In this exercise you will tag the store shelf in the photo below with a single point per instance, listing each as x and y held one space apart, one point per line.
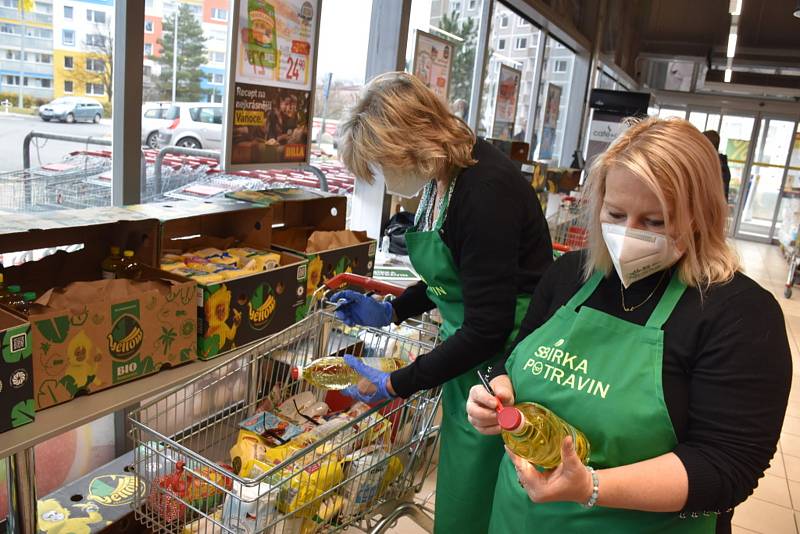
70 415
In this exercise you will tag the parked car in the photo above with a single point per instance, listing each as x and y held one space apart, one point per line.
71 109
153 119
193 125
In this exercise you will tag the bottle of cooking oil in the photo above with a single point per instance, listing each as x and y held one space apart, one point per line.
129 267
332 372
535 433
111 264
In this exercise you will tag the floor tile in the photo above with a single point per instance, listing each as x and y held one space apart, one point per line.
776 467
791 425
792 464
740 530
794 493
764 517
406 526
790 444
774 490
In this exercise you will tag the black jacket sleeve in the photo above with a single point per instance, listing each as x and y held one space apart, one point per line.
738 389
490 222
412 302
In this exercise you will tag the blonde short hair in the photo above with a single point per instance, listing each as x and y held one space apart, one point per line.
401 124
682 168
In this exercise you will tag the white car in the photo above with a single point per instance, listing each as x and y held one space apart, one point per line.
193 125
153 120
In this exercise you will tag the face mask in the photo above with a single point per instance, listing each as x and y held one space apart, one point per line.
404 186
637 254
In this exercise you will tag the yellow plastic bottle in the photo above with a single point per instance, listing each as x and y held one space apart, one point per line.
111 264
535 433
332 372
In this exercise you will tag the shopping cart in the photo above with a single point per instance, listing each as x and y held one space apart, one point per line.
567 227
363 475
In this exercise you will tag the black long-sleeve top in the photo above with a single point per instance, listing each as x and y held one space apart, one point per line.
500 244
727 370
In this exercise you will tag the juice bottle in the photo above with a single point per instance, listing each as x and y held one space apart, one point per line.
535 433
129 267
111 264
333 373
13 297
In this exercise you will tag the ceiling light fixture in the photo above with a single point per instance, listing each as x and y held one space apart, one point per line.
735 8
797 9
732 42
728 74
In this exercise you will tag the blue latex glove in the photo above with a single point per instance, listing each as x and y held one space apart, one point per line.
377 377
355 308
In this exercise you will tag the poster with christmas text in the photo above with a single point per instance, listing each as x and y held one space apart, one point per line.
270 98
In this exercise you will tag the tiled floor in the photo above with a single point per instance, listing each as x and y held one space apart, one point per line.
774 508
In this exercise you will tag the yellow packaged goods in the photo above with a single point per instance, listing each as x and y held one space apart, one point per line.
394 468
231 274
171 258
172 266
249 446
255 260
306 486
206 278
207 253
200 264
327 512
225 259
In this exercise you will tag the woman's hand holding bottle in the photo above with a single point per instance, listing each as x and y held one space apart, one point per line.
482 406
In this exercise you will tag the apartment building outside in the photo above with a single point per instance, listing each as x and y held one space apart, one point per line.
26 50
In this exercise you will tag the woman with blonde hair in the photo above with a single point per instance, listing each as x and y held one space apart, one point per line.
480 244
687 357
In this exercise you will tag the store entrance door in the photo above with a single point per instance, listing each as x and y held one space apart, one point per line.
761 192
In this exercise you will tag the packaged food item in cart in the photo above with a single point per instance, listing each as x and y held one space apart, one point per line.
201 264
331 372
205 525
394 468
248 507
249 446
298 408
327 514
208 253
306 486
367 468
206 488
168 494
272 429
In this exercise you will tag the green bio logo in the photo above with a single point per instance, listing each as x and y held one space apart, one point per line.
126 335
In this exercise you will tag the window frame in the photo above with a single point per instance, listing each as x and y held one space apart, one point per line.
71 15
64 40
71 87
71 62
501 42
214 12
518 40
504 18
152 25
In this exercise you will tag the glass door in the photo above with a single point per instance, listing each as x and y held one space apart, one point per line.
788 219
735 133
761 194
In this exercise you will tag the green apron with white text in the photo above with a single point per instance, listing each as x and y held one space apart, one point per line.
468 461
603 375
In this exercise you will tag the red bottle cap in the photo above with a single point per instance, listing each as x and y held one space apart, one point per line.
509 418
295 373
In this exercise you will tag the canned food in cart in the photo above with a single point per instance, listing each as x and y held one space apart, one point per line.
357 467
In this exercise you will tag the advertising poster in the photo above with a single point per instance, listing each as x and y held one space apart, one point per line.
550 121
433 59
505 107
271 69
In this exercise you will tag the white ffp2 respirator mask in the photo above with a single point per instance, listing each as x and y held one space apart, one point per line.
405 186
637 254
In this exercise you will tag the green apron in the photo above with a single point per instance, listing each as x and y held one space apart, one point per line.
603 375
468 461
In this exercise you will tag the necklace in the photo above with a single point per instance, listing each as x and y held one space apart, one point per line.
636 307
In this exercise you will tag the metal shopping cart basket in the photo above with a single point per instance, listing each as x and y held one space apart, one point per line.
362 475
567 227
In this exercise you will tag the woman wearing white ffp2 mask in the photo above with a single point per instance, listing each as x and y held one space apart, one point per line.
675 365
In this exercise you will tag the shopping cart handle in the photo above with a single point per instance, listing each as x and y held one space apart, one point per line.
363 282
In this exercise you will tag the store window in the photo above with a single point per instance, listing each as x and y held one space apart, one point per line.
68 37
452 27
508 85
68 12
555 88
